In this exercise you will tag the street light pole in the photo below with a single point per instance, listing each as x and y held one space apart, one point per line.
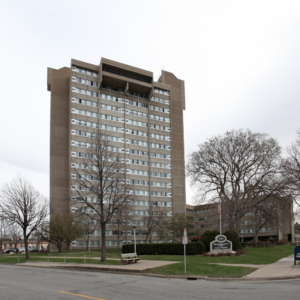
242 238
134 227
89 242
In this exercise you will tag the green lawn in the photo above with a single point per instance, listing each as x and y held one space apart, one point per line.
251 256
196 265
14 260
201 269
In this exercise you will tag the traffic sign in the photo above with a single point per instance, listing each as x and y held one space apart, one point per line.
184 240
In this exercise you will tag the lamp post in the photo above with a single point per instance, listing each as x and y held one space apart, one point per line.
296 231
242 238
134 227
89 241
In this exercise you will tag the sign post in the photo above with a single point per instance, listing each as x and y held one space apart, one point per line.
184 242
18 241
296 254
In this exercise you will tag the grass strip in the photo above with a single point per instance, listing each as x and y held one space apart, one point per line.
22 259
201 269
252 256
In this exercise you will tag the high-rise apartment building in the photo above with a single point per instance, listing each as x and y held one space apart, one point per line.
144 117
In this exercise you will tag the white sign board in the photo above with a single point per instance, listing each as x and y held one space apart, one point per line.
184 232
184 240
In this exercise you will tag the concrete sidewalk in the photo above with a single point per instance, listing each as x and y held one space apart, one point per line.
139 267
283 268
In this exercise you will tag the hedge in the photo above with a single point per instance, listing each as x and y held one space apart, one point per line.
165 248
207 237
233 236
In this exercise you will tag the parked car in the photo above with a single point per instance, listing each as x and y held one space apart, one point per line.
33 249
22 249
10 249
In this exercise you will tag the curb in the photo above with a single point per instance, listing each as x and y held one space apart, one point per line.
142 273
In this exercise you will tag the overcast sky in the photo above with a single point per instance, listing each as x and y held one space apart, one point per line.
239 60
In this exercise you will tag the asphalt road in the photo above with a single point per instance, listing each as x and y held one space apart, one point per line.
28 283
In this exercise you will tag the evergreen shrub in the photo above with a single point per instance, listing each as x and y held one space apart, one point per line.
165 249
207 237
233 236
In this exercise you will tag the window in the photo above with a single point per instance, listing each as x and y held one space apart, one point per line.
84 102
163 92
159 127
160 100
161 184
111 107
137 94
158 118
138 172
160 165
160 194
158 174
137 123
139 182
160 146
137 132
136 113
140 143
85 71
84 123
160 109
136 103
138 162
111 118
160 137
84 92
84 112
111 128
138 152
85 81
112 88
160 155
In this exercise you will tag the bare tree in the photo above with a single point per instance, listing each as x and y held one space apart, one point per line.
99 184
121 220
13 232
271 212
63 229
241 168
22 204
172 228
291 169
3 233
154 218
89 227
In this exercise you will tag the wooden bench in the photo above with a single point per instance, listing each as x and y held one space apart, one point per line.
129 257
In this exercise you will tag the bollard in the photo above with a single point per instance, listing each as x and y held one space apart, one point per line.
65 259
84 257
48 258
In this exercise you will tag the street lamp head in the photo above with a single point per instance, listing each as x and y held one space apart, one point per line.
134 226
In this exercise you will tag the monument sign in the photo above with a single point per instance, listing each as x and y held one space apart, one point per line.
220 244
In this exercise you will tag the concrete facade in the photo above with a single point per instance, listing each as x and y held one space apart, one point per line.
162 102
206 217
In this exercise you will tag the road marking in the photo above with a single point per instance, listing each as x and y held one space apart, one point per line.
81 295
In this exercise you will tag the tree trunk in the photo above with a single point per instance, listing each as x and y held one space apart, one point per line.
26 246
103 243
